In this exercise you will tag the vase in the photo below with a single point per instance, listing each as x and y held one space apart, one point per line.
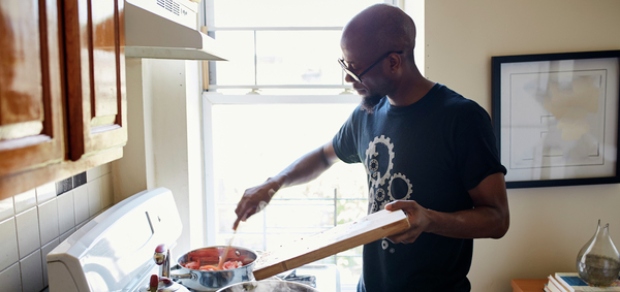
598 261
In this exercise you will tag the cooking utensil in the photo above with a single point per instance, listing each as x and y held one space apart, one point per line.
224 256
340 238
212 280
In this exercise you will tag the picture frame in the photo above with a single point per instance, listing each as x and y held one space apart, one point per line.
555 118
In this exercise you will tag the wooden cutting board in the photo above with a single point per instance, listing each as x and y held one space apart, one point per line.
321 245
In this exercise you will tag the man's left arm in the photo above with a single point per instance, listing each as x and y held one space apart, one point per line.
489 218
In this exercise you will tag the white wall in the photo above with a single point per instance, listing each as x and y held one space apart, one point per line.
164 148
548 225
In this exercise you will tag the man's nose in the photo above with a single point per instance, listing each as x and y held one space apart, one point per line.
348 78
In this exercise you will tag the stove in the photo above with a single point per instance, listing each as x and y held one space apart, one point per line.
115 250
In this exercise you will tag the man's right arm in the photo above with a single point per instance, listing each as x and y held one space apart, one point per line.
303 170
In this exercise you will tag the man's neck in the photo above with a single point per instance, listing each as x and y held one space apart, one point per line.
412 92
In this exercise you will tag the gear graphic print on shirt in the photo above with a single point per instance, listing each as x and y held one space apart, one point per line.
385 184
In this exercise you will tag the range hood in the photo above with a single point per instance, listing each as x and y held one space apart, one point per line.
163 29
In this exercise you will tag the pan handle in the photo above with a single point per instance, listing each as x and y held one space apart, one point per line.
188 275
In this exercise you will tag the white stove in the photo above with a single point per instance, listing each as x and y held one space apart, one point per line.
114 251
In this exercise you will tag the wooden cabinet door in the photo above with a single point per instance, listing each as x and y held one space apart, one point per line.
31 114
95 60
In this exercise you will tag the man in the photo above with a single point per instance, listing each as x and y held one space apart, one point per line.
427 150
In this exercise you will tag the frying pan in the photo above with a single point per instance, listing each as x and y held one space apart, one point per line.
202 280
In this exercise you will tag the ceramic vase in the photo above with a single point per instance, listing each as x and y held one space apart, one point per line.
598 261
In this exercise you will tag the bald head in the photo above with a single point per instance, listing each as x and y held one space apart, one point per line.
378 29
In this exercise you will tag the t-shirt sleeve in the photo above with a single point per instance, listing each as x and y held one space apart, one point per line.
476 146
344 142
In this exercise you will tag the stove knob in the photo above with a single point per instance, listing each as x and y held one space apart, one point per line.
154 283
160 255
162 259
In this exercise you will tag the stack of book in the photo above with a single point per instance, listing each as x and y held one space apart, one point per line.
570 282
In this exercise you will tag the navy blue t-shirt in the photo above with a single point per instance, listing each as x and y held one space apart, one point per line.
433 152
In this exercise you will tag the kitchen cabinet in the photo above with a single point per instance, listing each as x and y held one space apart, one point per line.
62 89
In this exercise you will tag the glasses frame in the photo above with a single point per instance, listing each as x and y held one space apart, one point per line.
358 77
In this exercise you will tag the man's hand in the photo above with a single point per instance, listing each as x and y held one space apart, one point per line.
489 217
302 170
417 217
254 200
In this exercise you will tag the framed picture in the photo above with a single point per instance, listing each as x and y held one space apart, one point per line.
556 118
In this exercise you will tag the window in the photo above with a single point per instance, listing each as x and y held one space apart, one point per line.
279 46
271 136
284 53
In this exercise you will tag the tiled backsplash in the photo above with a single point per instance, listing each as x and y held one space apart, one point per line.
34 222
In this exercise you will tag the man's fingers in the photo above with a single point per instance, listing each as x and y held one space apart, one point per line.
248 213
236 224
402 238
397 205
253 210
244 212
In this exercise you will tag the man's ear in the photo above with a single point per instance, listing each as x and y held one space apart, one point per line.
396 62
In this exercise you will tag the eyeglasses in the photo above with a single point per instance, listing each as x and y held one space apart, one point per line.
358 77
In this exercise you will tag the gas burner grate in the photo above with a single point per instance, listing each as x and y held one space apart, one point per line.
302 279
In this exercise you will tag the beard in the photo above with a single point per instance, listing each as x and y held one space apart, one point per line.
368 102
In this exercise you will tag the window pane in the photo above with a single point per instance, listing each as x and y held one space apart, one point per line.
239 48
298 57
286 13
252 142
305 58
